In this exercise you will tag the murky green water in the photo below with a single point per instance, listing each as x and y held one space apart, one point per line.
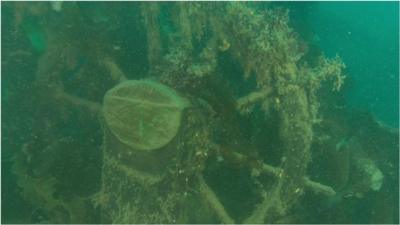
209 112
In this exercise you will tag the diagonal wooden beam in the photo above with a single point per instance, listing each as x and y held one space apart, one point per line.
313 186
215 204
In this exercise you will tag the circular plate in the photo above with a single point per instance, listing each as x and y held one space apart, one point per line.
143 114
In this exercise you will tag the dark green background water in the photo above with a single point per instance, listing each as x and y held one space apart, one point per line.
366 35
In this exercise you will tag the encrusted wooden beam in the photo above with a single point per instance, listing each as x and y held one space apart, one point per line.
313 186
211 198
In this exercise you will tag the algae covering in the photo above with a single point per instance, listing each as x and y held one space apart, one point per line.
183 112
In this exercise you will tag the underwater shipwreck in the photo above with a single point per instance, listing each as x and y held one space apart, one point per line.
183 112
